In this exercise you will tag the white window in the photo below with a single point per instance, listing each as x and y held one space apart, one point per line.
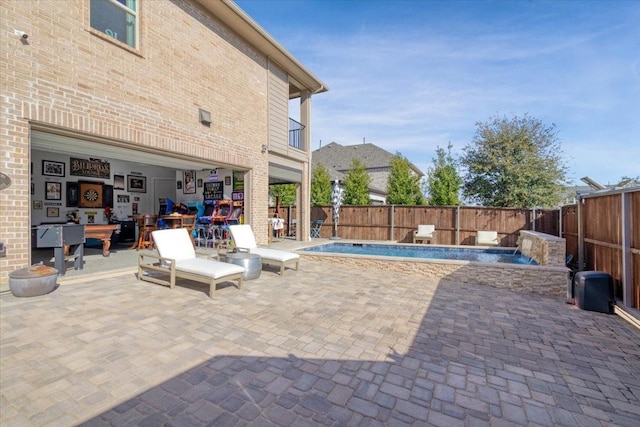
116 18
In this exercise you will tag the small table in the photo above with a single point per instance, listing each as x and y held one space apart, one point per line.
251 262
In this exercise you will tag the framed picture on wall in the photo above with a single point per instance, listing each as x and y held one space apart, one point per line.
37 204
199 182
53 190
53 212
51 168
107 196
189 179
136 184
72 194
227 180
118 182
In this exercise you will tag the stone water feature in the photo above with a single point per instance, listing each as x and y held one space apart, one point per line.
545 249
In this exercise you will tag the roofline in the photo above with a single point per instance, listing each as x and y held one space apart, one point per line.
241 23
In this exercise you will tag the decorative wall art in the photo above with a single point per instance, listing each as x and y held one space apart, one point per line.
189 179
238 181
51 168
93 168
136 184
213 190
53 212
107 195
118 182
37 204
53 190
199 182
73 193
90 194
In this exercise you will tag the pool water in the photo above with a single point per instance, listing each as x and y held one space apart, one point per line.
430 252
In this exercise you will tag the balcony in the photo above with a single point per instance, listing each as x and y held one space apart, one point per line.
295 134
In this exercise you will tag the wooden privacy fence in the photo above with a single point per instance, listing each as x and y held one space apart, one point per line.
454 225
602 232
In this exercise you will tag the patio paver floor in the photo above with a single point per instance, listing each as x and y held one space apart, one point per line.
326 345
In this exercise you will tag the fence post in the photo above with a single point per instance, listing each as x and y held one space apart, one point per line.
458 225
560 224
625 240
393 222
579 213
533 225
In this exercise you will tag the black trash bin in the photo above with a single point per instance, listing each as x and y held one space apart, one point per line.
593 291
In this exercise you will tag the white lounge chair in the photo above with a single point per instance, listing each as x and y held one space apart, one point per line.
424 234
487 238
178 259
244 240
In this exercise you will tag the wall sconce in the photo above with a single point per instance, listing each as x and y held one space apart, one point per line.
265 148
205 117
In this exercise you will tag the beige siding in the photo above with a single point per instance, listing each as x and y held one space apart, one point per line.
278 109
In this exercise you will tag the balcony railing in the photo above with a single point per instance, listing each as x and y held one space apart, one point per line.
295 134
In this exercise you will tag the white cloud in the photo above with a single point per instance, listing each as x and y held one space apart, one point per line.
423 81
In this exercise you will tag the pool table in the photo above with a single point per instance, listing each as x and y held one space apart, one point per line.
102 232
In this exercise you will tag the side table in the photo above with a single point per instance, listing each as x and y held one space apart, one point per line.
251 262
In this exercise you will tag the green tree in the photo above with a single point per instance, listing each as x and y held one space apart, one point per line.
320 186
356 184
285 192
514 162
443 181
403 185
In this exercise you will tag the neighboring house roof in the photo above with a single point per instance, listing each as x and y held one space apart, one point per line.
571 194
339 157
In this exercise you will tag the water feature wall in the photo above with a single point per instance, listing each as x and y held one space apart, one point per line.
545 249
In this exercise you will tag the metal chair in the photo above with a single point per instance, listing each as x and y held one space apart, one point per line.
315 229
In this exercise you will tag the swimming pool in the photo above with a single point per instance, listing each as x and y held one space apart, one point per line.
517 276
430 252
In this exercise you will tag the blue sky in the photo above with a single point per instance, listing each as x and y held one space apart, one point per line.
413 75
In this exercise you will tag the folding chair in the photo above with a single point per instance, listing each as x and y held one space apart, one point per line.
315 229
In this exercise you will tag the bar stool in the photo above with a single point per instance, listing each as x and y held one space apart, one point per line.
205 235
147 225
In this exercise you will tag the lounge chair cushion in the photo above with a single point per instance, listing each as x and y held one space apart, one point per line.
244 239
243 236
174 243
208 267
426 230
487 238
274 254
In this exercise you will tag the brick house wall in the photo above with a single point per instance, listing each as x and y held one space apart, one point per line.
68 77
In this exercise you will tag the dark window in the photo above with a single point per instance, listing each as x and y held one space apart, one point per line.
116 18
